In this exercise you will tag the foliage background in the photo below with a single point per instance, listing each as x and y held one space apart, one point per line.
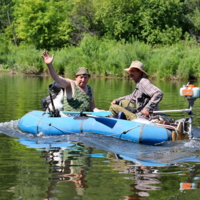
104 36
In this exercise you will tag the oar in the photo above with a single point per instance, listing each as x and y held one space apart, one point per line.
168 111
100 114
110 122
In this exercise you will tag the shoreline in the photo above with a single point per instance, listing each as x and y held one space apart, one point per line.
12 72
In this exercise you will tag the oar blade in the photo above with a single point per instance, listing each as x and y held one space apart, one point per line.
100 114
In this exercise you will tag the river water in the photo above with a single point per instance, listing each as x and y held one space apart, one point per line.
89 166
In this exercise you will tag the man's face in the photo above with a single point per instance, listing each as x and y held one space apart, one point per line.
135 74
82 80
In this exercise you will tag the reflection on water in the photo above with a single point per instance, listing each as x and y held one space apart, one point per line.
144 178
67 165
193 179
88 166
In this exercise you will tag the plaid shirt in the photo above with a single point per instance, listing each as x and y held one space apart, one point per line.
145 95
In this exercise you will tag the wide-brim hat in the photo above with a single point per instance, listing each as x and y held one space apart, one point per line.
136 64
81 71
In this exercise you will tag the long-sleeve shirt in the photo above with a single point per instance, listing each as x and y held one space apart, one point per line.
146 95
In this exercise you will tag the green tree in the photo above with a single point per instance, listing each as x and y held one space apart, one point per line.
152 21
57 23
162 21
43 23
4 6
193 16
119 17
82 17
6 20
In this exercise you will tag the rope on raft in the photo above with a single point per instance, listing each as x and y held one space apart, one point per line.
54 126
123 132
162 126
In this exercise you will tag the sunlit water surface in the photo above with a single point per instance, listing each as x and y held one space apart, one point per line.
89 166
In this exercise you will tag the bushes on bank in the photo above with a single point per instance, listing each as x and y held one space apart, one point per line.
106 57
24 59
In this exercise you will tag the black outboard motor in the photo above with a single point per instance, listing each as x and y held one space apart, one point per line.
55 88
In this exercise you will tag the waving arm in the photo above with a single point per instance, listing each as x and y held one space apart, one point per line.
49 60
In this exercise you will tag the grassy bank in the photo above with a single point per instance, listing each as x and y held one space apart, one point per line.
108 58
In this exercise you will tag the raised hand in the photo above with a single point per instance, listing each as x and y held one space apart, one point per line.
47 59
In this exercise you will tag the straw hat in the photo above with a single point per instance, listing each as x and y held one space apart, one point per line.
82 70
137 65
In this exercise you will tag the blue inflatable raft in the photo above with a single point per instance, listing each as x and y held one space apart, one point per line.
39 122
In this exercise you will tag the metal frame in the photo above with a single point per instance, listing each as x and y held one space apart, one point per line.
188 111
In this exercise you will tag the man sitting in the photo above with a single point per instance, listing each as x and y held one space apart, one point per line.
146 96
